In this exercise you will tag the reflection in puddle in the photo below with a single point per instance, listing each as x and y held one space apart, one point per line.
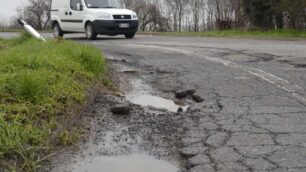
126 163
157 102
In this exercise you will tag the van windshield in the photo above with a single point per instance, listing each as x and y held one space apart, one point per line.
103 4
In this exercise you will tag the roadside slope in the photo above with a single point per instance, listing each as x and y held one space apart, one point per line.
39 85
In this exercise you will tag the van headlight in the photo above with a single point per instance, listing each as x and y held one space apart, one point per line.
134 16
105 16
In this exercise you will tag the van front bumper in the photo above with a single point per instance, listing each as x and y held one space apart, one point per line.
111 27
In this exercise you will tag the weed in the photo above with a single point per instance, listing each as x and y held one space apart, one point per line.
15 139
66 137
30 86
2 44
25 36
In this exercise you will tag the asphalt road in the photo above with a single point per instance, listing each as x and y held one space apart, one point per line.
253 117
254 114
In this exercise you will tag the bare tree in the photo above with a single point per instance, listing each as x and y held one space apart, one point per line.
180 6
196 7
296 10
149 14
36 13
224 13
172 12
195 15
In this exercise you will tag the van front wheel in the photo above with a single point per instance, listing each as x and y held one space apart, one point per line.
129 35
57 31
90 31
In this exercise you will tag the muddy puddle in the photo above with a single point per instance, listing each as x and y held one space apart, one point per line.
141 95
143 141
125 163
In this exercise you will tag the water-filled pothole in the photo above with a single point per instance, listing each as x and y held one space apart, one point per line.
140 95
125 163
155 101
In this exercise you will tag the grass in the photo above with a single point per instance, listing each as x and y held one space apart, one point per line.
21 30
239 33
39 82
10 30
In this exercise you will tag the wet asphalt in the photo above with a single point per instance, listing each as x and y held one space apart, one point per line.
253 117
254 114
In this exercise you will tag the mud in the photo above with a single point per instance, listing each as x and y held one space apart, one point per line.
146 140
155 134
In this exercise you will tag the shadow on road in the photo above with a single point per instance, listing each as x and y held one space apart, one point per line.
97 39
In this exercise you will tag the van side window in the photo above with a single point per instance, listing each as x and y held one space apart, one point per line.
73 4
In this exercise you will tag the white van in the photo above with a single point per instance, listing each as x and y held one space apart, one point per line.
105 17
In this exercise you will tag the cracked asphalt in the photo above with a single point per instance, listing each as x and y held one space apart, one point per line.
253 117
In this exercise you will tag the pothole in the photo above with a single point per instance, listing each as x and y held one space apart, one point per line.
140 95
126 163
300 65
240 57
155 101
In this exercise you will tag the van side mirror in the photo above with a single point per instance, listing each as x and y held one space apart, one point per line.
79 7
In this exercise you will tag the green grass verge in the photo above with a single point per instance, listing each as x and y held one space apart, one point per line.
239 34
10 30
39 82
22 30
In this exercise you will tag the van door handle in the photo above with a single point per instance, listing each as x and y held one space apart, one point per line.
66 13
70 13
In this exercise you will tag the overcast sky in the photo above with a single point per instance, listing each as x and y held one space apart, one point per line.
8 8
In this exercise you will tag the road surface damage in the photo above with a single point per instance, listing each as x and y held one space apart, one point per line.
239 117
